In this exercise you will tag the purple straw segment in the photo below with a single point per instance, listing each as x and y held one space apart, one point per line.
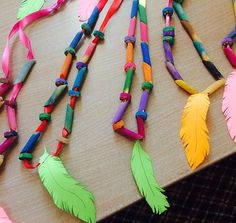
5 145
168 52
120 112
173 72
144 101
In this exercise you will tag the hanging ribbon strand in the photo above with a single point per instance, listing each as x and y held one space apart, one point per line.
141 164
68 193
194 132
11 135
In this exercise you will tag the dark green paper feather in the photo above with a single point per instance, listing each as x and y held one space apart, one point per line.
67 193
143 173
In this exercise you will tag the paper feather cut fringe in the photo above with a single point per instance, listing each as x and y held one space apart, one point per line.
143 173
3 217
68 194
229 104
29 6
85 8
194 132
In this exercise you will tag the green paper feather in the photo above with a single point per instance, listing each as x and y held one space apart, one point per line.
29 6
68 194
143 173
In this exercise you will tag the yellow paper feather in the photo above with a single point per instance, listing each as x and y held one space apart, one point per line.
194 132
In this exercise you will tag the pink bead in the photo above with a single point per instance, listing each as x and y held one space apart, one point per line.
129 65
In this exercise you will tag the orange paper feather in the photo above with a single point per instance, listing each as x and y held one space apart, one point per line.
194 132
229 104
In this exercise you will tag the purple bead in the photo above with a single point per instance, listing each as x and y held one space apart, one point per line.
169 33
143 101
168 52
130 39
120 112
80 65
173 72
60 81
227 42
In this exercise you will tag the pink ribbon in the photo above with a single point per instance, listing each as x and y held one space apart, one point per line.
18 27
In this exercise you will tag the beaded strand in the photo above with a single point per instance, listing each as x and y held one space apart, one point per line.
61 83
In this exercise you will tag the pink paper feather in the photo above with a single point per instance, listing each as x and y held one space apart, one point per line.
3 217
229 104
85 8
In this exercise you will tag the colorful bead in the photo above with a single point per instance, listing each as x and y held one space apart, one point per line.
71 51
26 156
227 42
130 65
80 65
28 147
74 93
69 118
179 1
12 104
118 125
141 114
169 31
169 39
86 28
60 81
130 39
147 86
99 34
76 40
167 11
55 95
125 97
45 116
63 140
10 134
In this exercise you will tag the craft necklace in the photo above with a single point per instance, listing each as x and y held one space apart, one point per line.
11 135
141 165
228 105
67 193
194 131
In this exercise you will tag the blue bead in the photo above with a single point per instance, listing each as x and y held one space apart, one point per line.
80 78
29 146
94 17
142 114
134 10
145 52
167 10
76 39
74 93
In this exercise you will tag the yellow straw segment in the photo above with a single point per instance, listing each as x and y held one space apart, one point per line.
186 87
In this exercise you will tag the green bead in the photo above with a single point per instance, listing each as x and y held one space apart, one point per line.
147 86
69 118
179 1
168 28
25 156
71 51
128 79
55 95
45 116
86 28
169 39
101 35
143 14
